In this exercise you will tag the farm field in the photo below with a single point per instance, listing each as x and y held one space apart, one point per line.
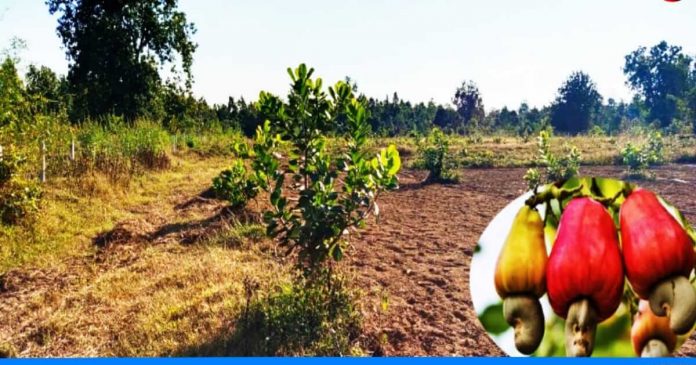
163 274
507 151
197 178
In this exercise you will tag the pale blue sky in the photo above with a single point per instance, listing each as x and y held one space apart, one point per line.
514 50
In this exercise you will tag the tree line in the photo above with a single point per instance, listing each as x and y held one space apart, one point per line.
118 52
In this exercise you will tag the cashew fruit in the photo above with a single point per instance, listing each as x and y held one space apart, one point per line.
520 278
651 335
584 274
659 258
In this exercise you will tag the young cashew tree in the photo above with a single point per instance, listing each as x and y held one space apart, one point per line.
317 198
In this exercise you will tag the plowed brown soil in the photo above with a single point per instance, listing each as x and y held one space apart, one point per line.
420 256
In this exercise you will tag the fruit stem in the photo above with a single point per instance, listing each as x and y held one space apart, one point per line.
551 193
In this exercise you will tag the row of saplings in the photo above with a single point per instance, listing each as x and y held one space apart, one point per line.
584 274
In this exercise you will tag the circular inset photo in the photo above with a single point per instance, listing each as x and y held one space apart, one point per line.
586 267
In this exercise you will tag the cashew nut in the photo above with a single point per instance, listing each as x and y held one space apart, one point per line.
580 328
524 314
676 298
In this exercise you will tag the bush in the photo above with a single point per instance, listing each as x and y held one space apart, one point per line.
234 185
315 225
19 198
557 168
638 159
299 319
597 131
435 157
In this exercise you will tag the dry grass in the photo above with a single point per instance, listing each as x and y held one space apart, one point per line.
502 151
164 300
75 210
148 296
152 269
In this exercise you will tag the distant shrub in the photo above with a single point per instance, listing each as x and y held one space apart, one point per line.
479 159
434 156
120 150
19 198
597 131
474 139
234 185
190 142
680 127
557 167
637 159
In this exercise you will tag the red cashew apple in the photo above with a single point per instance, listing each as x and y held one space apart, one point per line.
659 257
651 335
584 275
519 278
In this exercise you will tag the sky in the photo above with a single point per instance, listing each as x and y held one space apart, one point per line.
514 50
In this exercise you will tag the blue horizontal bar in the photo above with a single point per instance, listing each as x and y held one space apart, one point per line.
338 361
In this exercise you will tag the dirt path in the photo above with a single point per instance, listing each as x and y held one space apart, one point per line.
421 252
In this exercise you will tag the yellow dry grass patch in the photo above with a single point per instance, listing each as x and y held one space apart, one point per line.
172 300
74 211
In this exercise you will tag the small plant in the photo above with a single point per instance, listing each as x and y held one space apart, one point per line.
597 131
190 142
633 158
19 198
435 157
234 185
295 320
655 148
474 138
638 159
317 223
557 168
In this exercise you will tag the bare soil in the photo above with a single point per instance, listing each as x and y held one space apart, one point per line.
417 258
420 256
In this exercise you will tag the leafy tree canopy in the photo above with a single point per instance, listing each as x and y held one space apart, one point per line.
661 76
116 48
469 103
13 104
577 102
47 92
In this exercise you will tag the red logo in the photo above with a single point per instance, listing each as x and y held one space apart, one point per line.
672 1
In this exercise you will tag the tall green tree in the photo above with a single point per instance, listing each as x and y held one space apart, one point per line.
447 118
47 92
116 49
13 104
469 103
661 76
576 104
611 115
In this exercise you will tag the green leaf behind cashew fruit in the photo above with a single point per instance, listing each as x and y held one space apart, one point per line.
492 319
